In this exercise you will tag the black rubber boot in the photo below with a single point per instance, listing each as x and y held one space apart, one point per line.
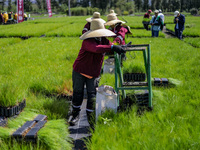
91 119
74 117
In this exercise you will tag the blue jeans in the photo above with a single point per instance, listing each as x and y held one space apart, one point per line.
78 90
155 33
179 33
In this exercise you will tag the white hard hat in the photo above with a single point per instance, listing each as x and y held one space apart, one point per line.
176 13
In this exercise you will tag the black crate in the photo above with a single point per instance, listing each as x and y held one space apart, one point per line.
40 118
32 135
18 134
28 124
128 77
40 124
142 99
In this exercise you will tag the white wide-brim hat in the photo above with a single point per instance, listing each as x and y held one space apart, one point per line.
176 13
112 20
97 29
96 15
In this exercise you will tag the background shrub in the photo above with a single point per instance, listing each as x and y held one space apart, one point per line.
194 11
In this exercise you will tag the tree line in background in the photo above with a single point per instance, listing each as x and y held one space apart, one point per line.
85 7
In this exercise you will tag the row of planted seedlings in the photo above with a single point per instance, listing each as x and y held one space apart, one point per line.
43 77
65 27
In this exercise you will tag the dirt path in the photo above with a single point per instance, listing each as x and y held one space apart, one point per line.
167 33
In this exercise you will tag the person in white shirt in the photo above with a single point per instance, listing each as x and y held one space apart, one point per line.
161 15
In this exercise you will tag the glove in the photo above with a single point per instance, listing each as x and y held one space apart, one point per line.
118 49
127 45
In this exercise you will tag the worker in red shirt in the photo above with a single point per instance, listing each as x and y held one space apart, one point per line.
87 25
116 26
87 67
146 19
147 15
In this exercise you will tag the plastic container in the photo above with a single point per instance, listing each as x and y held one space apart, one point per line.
106 99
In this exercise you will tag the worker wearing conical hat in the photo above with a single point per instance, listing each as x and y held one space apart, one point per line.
96 15
113 12
87 67
116 26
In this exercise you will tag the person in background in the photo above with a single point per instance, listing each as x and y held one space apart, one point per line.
161 15
156 23
15 17
5 16
96 15
146 19
1 18
116 27
179 20
87 68
25 17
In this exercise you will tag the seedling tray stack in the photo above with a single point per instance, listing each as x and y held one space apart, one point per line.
12 111
161 82
134 77
142 99
28 132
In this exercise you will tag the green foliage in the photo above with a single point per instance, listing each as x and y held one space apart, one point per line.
10 94
193 41
194 11
107 79
125 13
174 121
55 135
82 11
28 29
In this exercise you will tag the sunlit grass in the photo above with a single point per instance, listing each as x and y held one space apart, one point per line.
174 121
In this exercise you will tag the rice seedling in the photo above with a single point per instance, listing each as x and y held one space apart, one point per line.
55 135
28 30
8 41
144 33
10 95
193 41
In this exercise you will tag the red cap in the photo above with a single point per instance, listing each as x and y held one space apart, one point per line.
150 11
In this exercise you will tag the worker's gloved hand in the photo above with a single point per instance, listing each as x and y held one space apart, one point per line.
127 45
118 49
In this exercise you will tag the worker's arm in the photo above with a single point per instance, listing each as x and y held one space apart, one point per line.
120 35
86 28
91 45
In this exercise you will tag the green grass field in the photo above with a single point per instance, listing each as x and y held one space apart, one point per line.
39 69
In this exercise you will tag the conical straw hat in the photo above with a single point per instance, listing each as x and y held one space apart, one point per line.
96 15
112 20
113 12
97 29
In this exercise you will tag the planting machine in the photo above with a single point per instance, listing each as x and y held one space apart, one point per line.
144 99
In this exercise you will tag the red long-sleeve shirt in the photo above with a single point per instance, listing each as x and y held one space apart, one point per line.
147 15
91 55
120 34
86 27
